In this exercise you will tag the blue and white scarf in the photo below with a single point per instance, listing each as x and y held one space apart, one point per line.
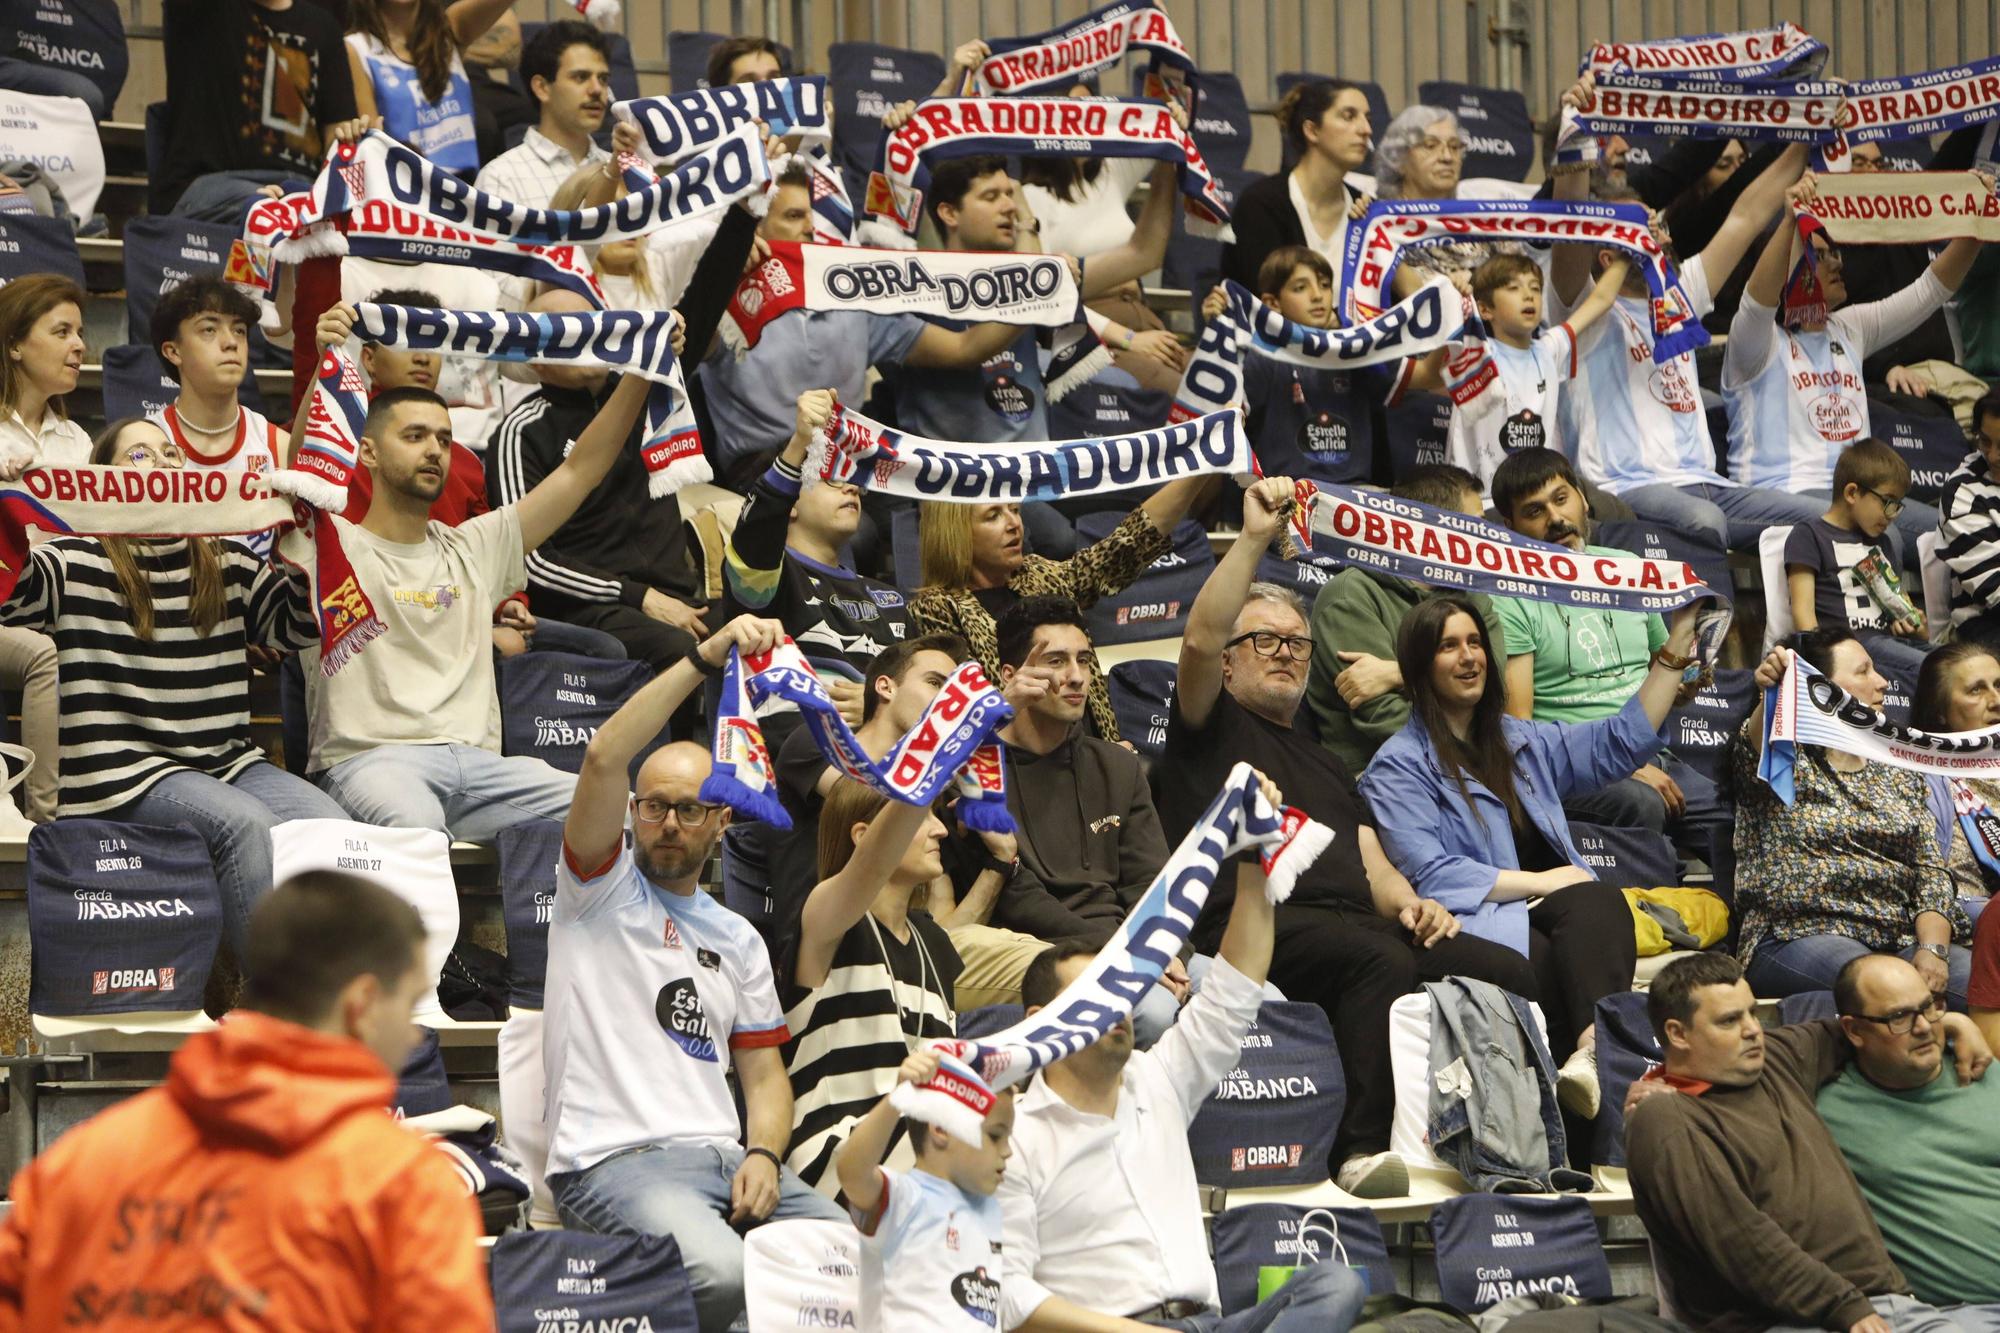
1697 106
1936 101
1727 57
1239 819
1806 708
1213 381
682 123
873 456
947 127
1375 246
1054 60
951 744
618 340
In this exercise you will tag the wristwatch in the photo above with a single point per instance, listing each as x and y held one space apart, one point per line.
1938 951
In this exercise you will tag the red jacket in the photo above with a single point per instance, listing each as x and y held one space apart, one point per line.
263 1187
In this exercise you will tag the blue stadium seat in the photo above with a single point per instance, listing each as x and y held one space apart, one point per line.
687 57
1156 604
1912 154
527 853
1631 858
1807 1007
1700 730
643 1282
136 384
1273 1235
865 79
161 252
988 1019
1305 576
1112 404
1626 1048
31 244
78 39
551 704
1657 541
1194 263
1493 1246
1221 125
1931 445
1272 1119
1494 122
1141 691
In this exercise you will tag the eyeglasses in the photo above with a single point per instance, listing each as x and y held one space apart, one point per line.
1266 644
166 451
1449 147
688 814
1889 507
1900 1022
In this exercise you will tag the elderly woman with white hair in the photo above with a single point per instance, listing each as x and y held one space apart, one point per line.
1422 156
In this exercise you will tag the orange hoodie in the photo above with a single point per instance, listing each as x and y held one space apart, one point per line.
263 1187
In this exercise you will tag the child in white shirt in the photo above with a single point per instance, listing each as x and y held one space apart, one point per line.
936 1229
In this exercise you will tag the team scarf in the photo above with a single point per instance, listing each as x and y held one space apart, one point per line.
865 453
1213 380
1239 819
1937 101
1803 301
948 127
1727 57
958 285
1445 549
951 744
1806 708
1053 60
1905 207
679 124
1695 106
955 1099
1375 246
833 211
625 341
1977 822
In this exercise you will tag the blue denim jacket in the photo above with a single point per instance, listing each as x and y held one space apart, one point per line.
1452 849
1493 1109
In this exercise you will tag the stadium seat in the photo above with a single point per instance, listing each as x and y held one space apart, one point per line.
1141 691
1778 623
528 853
1494 122
1626 1048
809 1273
59 135
123 921
1912 154
1806 1007
161 252
903 543
1305 576
988 1019
1630 858
1283 1235
412 863
137 385
687 58
1156 604
84 39
1271 1120
1657 541
551 704
1931 444
1221 125
864 80
159 131
1493 1246
31 243
1193 264
1938 582
630 1282
1111 404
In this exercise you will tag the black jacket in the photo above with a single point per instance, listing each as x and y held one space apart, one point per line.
1263 220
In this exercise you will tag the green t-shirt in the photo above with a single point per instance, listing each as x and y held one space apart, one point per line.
1929 1165
1588 660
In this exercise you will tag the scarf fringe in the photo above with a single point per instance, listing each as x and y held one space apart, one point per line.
359 635
1094 363
316 491
720 788
1281 874
985 814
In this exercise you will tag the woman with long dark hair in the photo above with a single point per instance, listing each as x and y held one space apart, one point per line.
405 59
1326 125
1468 803
150 637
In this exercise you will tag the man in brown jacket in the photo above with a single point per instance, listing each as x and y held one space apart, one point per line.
1755 1219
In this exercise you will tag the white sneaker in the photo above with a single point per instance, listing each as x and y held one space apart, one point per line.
1576 1083
1382 1175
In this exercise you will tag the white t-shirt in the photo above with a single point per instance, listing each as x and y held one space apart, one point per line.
1506 398
1095 220
1796 399
939 1251
647 994
1627 421
429 678
1333 245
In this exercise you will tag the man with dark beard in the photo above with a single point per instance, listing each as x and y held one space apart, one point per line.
655 991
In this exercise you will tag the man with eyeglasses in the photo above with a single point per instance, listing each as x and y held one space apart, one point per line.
1755 1219
656 993
1354 936
1921 1145
1969 531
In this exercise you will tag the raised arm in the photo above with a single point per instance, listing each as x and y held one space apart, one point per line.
1660 689
1761 201
754 560
839 903
549 505
1144 250
470 19
1766 285
1569 266
859 1160
1215 608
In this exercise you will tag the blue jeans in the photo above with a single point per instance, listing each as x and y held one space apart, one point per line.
221 196
235 820
1321 1298
1797 966
1735 514
467 792
682 1191
1897 657
1907 1314
559 636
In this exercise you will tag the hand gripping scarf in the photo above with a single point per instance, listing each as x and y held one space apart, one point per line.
621 340
1374 247
947 127
951 743
870 455
1806 708
1447 549
1213 381
960 285
1051 61
1238 819
683 123
1727 57
955 1099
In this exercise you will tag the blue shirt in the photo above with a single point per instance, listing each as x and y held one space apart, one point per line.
442 130
1311 422
997 402
1451 847
753 403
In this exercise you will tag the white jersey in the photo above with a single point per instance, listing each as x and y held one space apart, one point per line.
937 1249
1796 399
648 992
1506 398
1626 421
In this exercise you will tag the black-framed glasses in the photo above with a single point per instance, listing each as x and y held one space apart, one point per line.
1889 507
1265 643
1900 1022
688 814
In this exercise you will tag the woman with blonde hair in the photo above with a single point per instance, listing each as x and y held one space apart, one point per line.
634 275
405 59
151 636
975 567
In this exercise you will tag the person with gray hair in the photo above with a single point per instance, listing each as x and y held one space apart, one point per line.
1422 156
1354 936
